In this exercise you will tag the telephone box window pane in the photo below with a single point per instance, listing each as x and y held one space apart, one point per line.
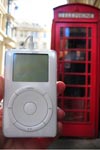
67 32
61 32
74 79
89 32
74 116
82 56
74 67
75 43
89 44
74 104
75 55
59 78
74 92
71 55
61 44
89 68
75 32
88 92
89 56
88 104
89 80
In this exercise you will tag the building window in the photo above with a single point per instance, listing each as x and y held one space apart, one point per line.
21 34
9 28
35 45
35 34
44 35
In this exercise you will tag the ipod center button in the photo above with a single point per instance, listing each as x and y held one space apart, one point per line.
30 108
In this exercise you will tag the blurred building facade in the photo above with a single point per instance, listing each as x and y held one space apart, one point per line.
16 35
40 34
7 21
95 3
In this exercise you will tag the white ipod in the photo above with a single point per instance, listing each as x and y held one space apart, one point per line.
30 97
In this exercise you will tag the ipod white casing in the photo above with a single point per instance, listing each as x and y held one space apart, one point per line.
30 108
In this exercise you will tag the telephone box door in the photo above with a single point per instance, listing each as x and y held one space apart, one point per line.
76 50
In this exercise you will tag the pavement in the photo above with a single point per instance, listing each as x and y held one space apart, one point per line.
76 143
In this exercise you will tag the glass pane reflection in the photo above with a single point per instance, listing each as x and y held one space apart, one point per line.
75 32
74 92
75 43
74 116
74 79
74 67
74 104
75 55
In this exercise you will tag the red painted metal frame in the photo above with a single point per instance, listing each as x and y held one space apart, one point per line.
86 127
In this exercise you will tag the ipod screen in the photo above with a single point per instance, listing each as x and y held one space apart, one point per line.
30 67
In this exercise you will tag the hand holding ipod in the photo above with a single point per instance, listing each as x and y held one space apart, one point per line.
30 98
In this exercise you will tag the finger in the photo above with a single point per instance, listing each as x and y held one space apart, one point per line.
60 128
1 87
45 142
60 114
60 87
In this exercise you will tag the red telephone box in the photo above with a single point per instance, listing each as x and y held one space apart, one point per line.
76 38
